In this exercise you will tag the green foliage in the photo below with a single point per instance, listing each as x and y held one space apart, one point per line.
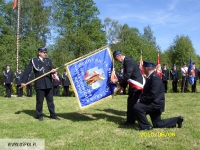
80 31
180 51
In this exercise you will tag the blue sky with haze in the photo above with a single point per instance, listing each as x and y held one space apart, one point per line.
167 18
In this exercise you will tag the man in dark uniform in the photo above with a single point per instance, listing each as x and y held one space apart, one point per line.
174 76
56 84
18 81
65 83
29 87
152 102
7 81
133 76
165 76
43 86
196 77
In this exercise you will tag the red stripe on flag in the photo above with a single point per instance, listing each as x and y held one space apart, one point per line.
15 4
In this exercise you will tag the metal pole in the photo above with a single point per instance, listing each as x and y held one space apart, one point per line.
17 42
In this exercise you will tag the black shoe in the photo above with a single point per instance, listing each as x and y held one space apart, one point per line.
146 129
180 120
40 118
56 118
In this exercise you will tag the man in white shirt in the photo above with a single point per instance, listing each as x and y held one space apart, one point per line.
184 71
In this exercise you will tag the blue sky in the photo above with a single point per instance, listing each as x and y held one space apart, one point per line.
167 18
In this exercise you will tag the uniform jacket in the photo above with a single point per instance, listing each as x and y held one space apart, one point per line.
65 80
8 77
154 92
55 82
165 74
39 68
174 75
131 71
196 74
31 76
18 78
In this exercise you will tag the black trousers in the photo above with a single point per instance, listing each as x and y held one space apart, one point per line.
141 110
165 85
29 90
19 91
40 95
194 87
185 84
174 86
131 101
66 90
56 90
8 90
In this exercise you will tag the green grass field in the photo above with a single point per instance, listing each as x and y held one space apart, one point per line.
98 127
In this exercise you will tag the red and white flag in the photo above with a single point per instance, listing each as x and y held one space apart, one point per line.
15 4
55 76
158 67
141 64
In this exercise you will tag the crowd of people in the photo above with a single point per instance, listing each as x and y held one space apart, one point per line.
9 77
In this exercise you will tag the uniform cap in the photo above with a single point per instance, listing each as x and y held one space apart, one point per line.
7 65
42 49
148 64
115 53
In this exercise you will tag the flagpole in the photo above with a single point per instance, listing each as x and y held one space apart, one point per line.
17 42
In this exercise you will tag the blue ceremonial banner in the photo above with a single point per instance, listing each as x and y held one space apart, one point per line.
90 77
191 73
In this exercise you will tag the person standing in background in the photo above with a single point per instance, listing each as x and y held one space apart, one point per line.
56 84
174 76
165 76
65 83
8 80
18 81
29 87
184 71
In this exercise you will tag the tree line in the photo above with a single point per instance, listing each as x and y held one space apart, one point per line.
71 28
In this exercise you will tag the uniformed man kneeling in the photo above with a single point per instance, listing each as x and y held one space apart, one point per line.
43 86
152 102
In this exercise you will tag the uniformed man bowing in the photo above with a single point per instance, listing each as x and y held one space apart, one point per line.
43 86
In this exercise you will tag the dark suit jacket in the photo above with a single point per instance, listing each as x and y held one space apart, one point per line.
8 77
55 82
131 71
18 78
165 74
196 74
39 68
174 75
31 76
65 80
153 92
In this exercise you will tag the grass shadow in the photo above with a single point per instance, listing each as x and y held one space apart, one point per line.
31 113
